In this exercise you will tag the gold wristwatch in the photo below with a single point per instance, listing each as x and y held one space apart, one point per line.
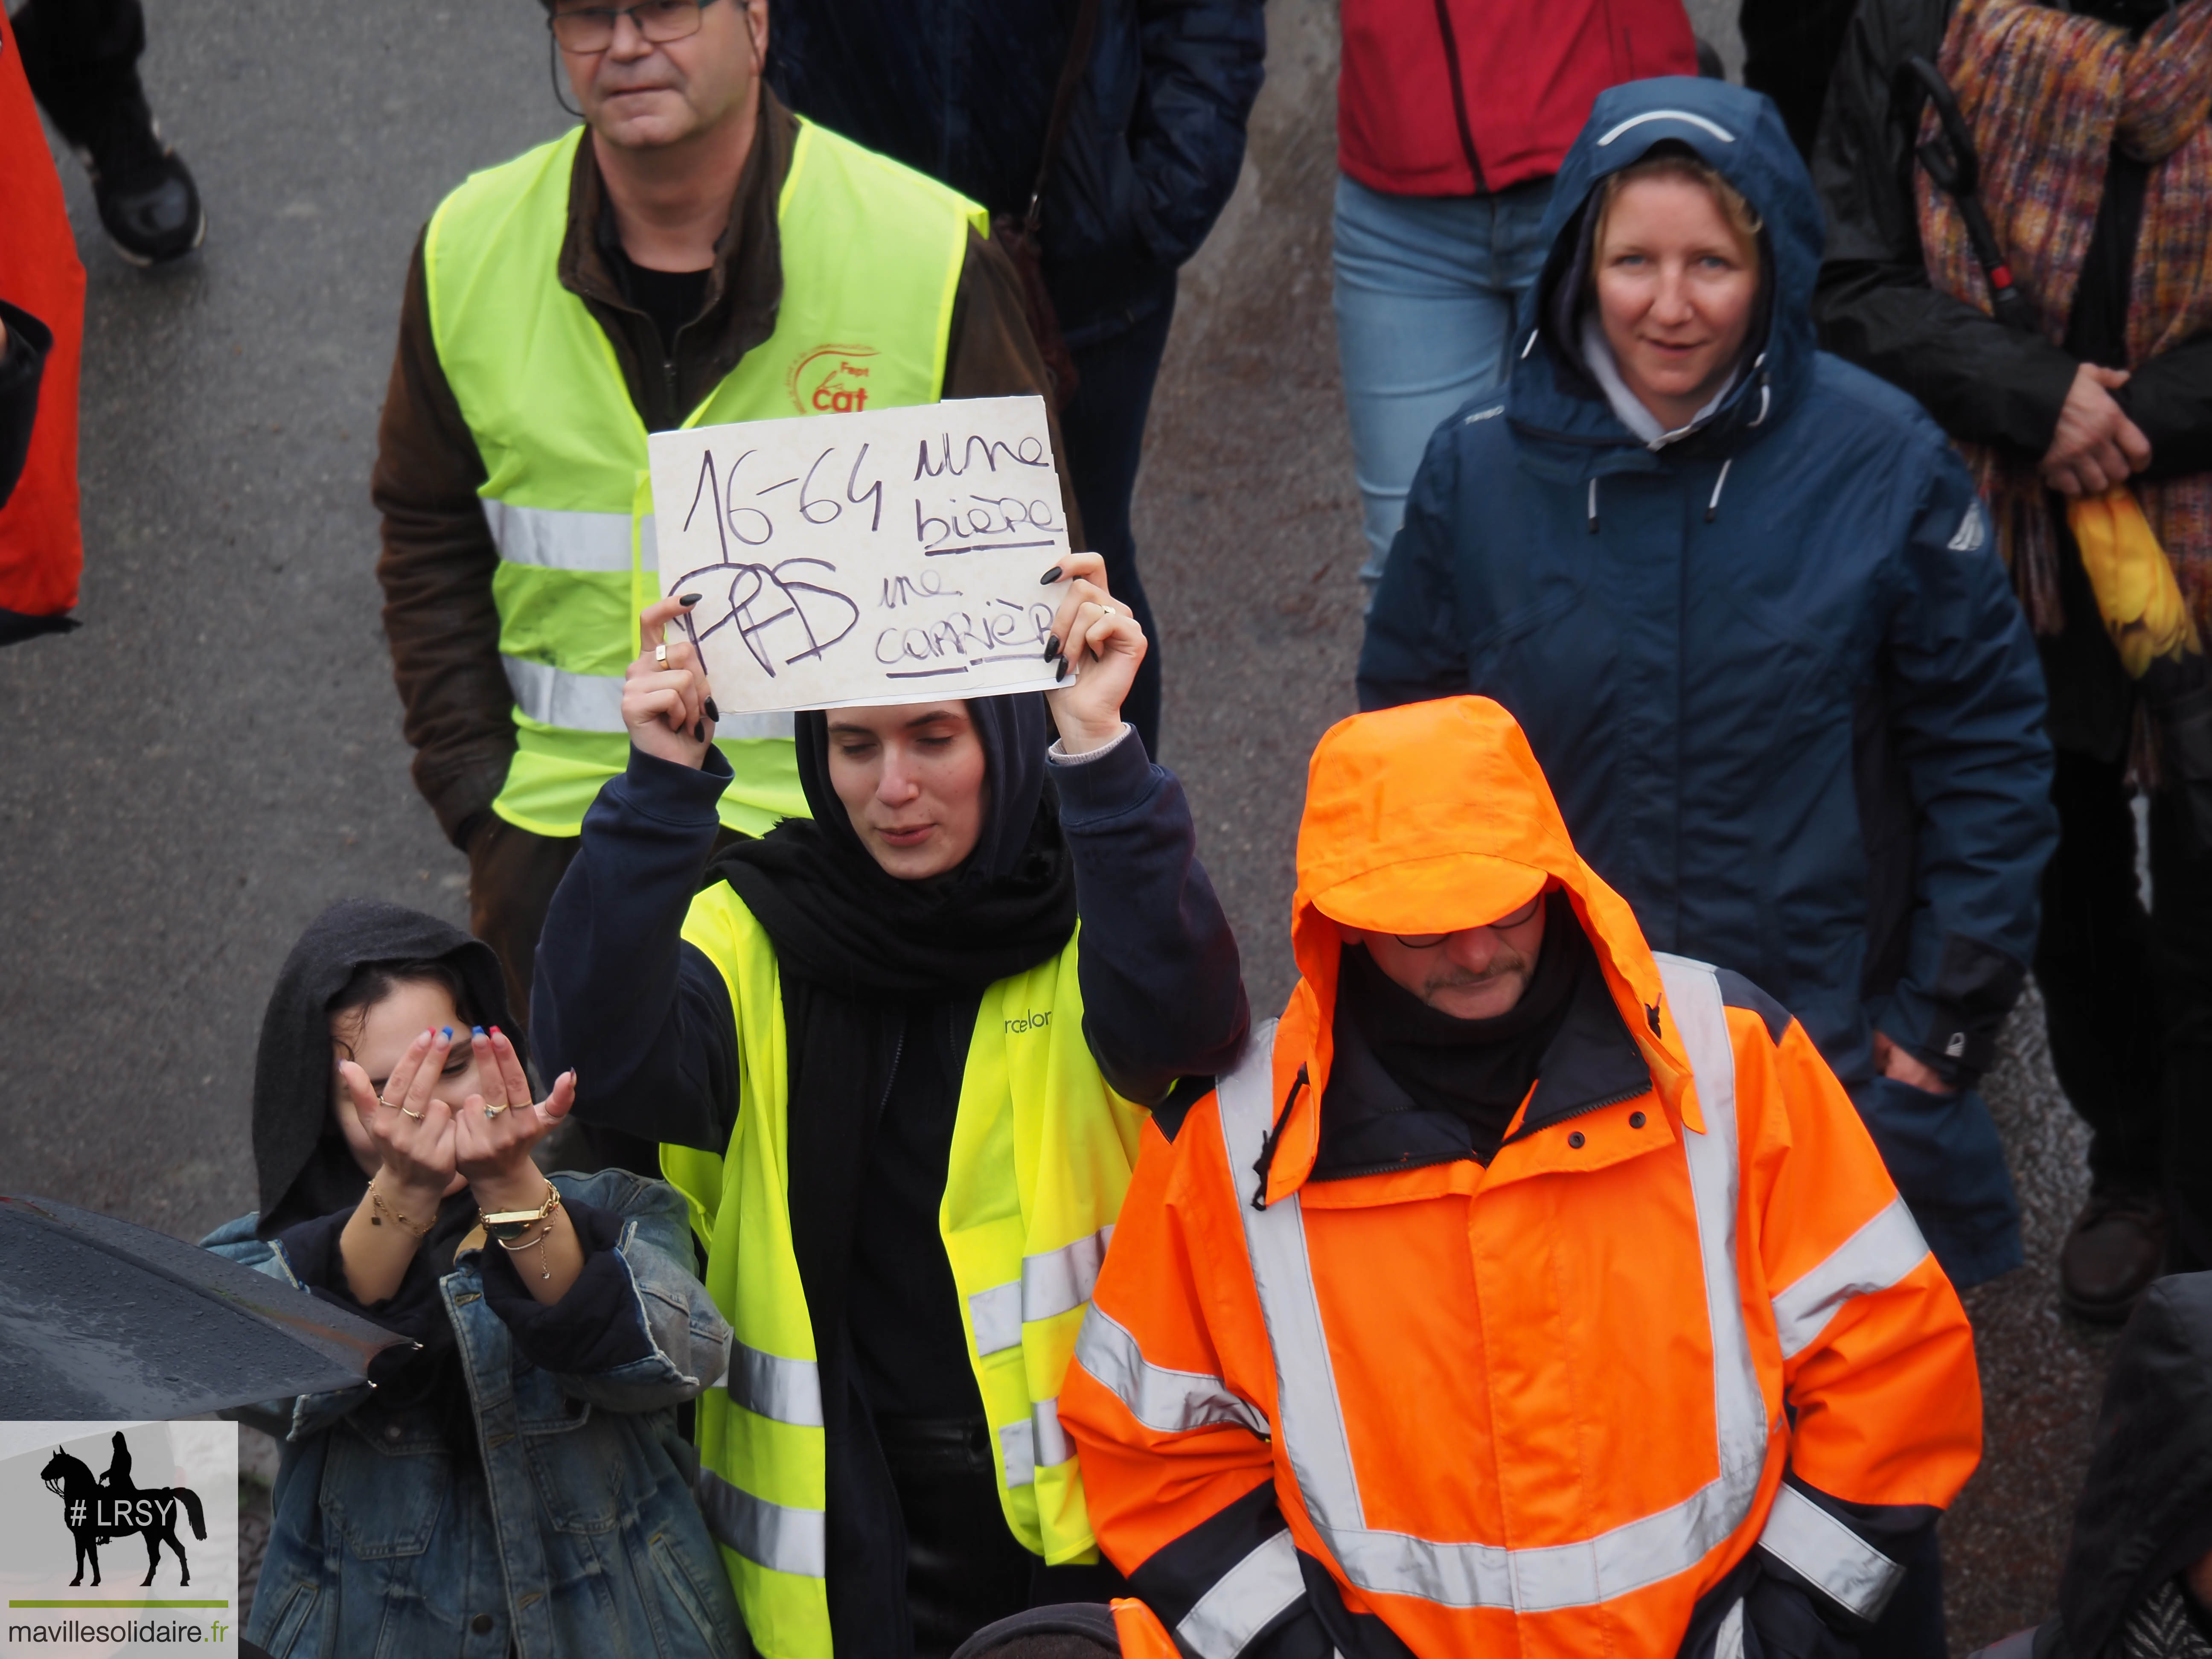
510 1225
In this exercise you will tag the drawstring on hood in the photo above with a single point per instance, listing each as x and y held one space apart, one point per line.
1713 506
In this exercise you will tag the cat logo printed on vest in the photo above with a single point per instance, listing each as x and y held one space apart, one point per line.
1031 1021
831 379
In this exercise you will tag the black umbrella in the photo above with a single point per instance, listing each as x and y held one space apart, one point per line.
99 1319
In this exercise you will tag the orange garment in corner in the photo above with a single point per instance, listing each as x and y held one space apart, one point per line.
1537 1408
40 553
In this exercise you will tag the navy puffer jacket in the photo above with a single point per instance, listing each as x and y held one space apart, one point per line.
1774 669
961 89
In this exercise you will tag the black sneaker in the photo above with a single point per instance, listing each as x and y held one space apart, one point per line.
149 204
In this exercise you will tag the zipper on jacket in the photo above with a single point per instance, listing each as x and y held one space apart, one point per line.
1266 1161
1527 1129
1459 94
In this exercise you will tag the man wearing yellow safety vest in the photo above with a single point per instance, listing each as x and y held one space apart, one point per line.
693 254
902 1090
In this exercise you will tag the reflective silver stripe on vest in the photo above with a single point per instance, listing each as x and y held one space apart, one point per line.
1051 1447
787 1390
1245 1600
1039 1443
1166 1401
1803 1536
592 702
1017 1454
554 696
1872 1259
782 1539
1053 1282
1628 1557
553 539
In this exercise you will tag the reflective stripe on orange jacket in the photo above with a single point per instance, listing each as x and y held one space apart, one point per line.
1538 1406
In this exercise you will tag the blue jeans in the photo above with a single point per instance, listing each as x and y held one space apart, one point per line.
1426 290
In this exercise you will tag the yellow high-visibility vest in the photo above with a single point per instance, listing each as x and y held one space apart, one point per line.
1041 1155
872 253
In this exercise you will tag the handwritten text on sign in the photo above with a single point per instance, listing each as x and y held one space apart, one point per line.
892 555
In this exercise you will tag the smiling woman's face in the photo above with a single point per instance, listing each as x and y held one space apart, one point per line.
1675 284
912 780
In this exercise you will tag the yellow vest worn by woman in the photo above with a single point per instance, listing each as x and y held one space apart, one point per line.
1042 1154
872 254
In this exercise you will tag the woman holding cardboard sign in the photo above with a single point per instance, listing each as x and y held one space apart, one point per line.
902 1092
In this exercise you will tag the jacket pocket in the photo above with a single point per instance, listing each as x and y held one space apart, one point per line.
281 1634
382 1505
683 1587
580 1477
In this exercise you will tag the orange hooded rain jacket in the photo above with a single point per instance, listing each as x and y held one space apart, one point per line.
1679 1334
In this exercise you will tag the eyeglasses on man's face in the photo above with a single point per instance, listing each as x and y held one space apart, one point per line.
580 27
1430 941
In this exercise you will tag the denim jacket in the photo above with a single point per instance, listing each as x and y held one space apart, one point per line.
574 1531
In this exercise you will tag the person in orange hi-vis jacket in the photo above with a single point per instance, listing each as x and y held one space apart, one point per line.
1519 1291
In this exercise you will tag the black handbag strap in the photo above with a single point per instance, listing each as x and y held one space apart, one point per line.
1063 105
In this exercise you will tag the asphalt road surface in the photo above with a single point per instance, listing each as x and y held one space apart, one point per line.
215 756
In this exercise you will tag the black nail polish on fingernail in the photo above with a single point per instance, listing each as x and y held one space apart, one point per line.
712 712
1049 577
1060 672
687 599
698 731
1051 648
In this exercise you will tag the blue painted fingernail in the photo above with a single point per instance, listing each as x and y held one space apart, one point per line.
478 1030
449 1034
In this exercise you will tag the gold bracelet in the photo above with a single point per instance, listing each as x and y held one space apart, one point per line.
513 1224
380 1208
546 1233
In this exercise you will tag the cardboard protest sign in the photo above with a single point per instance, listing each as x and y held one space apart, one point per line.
889 556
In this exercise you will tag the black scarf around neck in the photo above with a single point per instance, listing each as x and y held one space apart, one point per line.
1479 1070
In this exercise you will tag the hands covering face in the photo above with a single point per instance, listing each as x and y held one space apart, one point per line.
428 1147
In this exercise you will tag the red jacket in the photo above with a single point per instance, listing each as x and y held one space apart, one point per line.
39 553
1457 97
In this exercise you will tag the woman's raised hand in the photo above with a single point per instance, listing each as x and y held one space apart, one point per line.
1097 645
410 1130
493 1133
665 703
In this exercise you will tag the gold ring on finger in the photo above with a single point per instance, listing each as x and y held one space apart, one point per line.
660 656
387 1104
493 1111
412 1113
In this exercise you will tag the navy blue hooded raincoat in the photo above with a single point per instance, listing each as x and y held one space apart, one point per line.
1772 667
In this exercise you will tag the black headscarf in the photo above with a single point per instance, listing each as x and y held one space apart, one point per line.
303 1165
841 921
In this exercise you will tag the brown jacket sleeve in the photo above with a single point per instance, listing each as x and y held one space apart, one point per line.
992 353
437 572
